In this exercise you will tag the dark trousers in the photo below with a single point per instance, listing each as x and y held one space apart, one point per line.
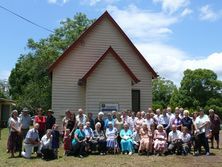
79 148
102 146
48 154
201 140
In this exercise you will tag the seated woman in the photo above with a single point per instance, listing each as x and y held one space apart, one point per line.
89 137
79 142
100 137
46 146
160 140
126 140
111 138
146 142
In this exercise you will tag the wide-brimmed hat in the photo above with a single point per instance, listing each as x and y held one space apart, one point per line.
25 110
50 110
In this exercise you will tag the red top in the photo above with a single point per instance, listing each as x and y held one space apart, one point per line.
41 121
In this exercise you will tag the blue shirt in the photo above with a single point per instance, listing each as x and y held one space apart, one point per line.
32 134
80 134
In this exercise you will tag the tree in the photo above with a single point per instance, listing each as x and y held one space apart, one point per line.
199 88
162 91
4 89
29 82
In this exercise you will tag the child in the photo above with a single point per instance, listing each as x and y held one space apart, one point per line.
67 142
55 139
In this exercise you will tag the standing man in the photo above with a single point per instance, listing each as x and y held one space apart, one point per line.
50 119
31 140
215 127
25 121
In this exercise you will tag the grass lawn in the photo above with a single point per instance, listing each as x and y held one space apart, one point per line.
215 160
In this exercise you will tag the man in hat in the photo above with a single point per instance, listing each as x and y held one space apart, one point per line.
50 120
26 120
215 127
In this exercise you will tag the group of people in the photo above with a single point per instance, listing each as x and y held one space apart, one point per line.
43 138
160 132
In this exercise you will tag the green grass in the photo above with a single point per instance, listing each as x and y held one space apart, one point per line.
215 160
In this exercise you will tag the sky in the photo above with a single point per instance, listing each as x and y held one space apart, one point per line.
172 35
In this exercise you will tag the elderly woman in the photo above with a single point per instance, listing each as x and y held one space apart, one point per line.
160 140
109 119
201 124
15 138
89 136
126 140
118 123
146 141
100 137
99 119
79 141
111 138
138 120
187 121
177 120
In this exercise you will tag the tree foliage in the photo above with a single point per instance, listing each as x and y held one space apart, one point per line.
29 81
199 88
162 91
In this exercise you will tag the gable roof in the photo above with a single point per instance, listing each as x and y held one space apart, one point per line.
76 42
118 58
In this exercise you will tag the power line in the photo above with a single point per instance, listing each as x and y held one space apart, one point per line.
21 17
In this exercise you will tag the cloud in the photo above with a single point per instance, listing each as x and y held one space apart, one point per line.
186 12
148 30
208 14
170 62
95 2
58 2
4 74
172 6
150 26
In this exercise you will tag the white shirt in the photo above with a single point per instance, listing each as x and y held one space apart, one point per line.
15 123
171 116
157 119
200 121
149 122
174 135
185 138
46 143
81 119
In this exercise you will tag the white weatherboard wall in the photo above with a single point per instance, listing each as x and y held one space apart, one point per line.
65 91
109 83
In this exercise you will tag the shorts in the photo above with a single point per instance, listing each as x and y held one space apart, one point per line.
215 135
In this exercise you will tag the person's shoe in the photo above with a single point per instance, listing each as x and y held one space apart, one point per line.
196 153
130 153
80 156
207 154
101 153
